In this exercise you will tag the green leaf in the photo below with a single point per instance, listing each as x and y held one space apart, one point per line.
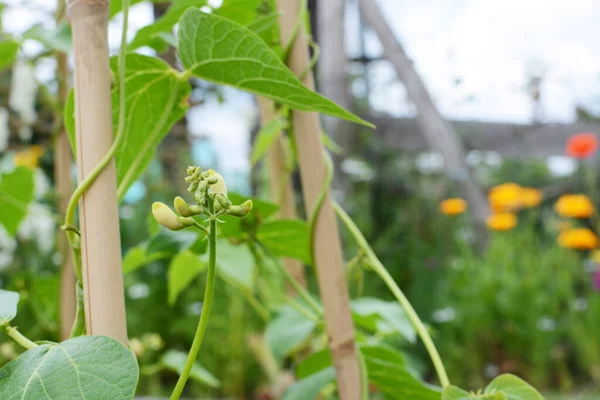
235 264
58 38
8 306
156 96
288 331
235 227
175 360
219 50
310 387
314 363
16 192
8 52
87 367
286 238
514 388
169 243
456 393
166 23
387 317
183 269
389 372
266 137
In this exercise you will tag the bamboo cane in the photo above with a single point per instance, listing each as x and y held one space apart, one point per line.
284 195
63 161
98 209
327 246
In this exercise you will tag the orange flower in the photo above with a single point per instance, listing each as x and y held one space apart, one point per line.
530 197
574 206
505 197
578 238
29 157
453 206
501 222
582 145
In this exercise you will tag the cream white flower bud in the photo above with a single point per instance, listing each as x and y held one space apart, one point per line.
184 209
242 210
167 218
217 183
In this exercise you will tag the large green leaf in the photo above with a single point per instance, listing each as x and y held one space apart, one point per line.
8 52
183 269
386 317
169 243
8 306
221 51
314 363
288 331
310 387
87 367
389 372
286 238
175 360
260 16
16 192
156 99
514 388
235 264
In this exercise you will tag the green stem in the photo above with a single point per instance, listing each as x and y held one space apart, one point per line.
78 328
389 281
20 338
206 305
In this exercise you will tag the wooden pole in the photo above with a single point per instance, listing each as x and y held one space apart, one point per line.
282 195
98 209
438 133
63 162
327 246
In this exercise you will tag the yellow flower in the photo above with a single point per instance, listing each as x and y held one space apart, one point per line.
578 238
167 218
501 222
574 206
453 206
219 185
505 197
29 157
530 197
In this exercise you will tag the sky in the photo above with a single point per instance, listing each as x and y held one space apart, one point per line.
490 46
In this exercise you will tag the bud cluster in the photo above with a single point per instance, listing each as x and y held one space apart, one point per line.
206 186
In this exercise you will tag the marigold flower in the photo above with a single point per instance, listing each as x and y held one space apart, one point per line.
530 197
582 145
29 157
505 197
501 222
574 206
453 206
578 238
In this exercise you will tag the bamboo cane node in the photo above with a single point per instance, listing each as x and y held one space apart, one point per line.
345 345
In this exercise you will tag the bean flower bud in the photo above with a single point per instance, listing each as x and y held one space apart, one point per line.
242 210
184 209
167 218
217 183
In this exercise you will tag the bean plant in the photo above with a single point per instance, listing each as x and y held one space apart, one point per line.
237 45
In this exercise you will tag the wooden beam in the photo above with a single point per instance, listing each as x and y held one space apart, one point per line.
509 140
328 258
